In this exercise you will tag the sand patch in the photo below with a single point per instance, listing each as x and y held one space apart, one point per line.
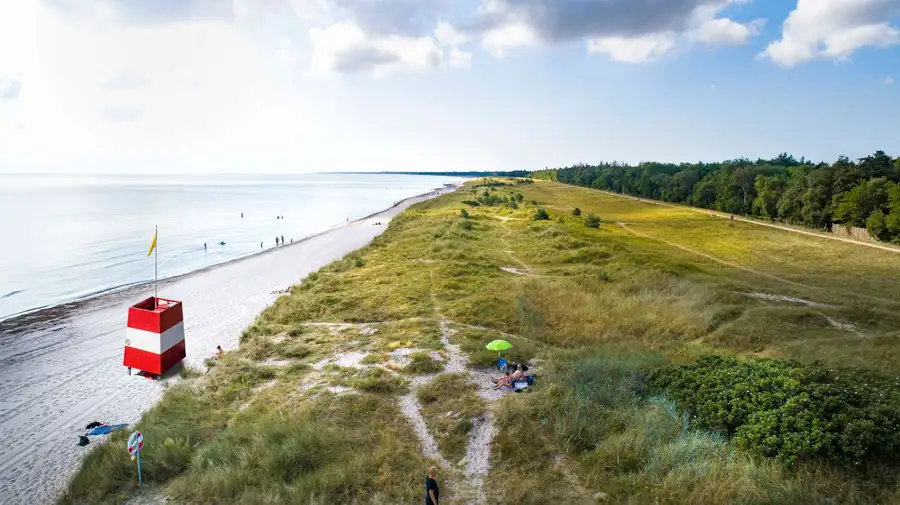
841 325
277 362
352 359
783 298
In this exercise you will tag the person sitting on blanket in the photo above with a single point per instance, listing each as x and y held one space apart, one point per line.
521 374
505 381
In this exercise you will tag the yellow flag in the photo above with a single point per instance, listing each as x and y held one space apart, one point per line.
153 244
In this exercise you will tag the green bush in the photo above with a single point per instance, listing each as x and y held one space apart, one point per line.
422 363
471 203
576 212
540 215
466 225
790 411
464 214
592 221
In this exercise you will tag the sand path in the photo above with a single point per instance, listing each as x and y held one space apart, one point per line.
62 368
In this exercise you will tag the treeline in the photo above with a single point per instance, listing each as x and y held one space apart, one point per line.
862 193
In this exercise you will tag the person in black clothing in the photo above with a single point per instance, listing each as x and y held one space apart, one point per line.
432 493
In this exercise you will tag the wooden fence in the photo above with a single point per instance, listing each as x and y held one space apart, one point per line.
850 231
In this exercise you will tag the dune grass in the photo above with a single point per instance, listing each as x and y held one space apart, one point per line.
306 410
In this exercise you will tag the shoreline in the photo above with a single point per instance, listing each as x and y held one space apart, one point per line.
61 367
10 324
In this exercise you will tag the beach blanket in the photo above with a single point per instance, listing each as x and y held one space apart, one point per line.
106 429
517 386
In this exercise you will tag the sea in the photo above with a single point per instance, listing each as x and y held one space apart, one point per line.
65 238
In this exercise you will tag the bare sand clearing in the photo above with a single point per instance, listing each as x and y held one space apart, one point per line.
62 368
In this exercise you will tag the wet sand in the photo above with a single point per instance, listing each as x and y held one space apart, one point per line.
61 368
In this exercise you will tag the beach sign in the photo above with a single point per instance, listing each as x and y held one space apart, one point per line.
135 444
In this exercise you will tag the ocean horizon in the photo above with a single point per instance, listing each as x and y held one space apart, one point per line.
72 237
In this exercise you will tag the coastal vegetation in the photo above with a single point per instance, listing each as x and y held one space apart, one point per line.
863 193
680 358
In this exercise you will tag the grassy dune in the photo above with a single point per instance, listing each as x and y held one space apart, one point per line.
308 410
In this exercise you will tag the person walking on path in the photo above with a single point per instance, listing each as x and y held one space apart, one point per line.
432 493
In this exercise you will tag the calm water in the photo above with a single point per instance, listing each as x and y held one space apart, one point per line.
65 238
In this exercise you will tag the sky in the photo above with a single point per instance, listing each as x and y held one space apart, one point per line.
290 86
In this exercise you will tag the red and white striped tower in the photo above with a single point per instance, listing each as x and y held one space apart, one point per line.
154 340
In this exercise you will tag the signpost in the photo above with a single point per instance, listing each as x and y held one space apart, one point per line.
135 444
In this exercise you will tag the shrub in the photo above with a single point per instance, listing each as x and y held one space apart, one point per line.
519 197
512 204
540 215
592 221
471 203
790 411
490 200
466 225
464 214
576 212
422 363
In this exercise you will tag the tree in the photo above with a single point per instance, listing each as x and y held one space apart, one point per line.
876 165
576 212
875 224
768 191
592 221
540 215
846 175
855 206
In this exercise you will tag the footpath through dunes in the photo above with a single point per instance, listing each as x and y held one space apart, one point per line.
61 369
372 370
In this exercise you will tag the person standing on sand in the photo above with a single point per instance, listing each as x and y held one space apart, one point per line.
432 493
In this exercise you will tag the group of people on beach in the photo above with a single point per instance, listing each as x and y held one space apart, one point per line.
514 373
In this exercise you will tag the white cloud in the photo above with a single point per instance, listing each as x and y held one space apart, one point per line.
498 40
725 32
634 49
887 81
346 48
626 32
834 29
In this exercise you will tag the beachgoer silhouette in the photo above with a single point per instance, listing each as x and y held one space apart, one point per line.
432 492
204 245
242 215
282 239
260 245
276 240
292 241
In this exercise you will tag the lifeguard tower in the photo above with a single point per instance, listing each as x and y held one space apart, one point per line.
154 339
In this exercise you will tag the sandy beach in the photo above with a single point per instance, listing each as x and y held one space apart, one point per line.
61 368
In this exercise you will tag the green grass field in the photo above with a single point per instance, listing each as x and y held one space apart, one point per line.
319 413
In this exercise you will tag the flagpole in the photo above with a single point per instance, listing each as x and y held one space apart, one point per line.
156 268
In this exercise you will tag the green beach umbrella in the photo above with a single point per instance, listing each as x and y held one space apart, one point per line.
498 345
